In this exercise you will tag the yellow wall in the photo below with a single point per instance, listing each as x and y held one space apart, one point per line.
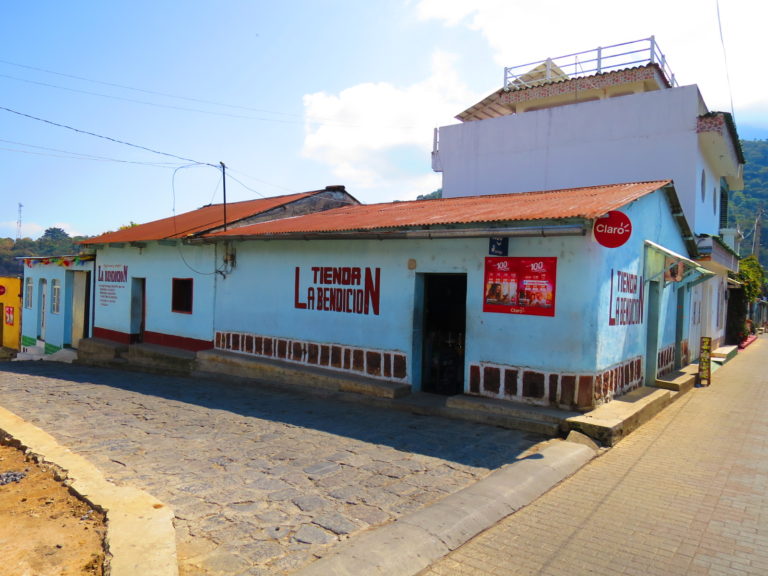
10 308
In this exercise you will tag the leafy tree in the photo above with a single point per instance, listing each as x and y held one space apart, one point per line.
752 277
746 204
53 242
431 196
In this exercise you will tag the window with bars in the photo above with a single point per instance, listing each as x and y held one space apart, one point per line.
55 296
28 288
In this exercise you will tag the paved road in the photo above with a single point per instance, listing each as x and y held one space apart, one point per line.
687 493
259 479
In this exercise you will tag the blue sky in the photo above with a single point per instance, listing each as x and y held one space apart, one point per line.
297 95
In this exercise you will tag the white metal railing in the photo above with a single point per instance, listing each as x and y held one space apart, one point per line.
595 61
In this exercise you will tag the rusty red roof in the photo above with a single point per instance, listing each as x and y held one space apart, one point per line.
573 203
200 220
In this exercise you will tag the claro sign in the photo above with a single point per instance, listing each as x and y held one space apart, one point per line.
613 229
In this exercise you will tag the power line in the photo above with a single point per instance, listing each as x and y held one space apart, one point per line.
725 58
115 140
146 103
68 154
145 91
290 118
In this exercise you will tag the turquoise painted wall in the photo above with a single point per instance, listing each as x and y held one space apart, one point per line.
259 297
651 220
58 325
158 265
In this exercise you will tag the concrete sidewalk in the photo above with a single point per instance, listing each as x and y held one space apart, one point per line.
687 493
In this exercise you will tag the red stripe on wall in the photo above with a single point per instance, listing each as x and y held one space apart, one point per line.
192 344
112 335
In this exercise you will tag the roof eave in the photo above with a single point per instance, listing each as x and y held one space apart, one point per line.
571 227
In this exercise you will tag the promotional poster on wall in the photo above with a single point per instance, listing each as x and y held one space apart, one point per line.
520 286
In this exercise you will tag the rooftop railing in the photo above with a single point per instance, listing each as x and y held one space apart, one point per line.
596 61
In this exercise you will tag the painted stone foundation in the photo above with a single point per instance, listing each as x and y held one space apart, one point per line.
666 358
381 364
564 390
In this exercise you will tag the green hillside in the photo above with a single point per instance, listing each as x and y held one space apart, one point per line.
746 204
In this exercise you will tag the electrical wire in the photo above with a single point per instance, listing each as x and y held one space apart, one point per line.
115 140
145 91
146 103
175 230
69 155
725 59
290 118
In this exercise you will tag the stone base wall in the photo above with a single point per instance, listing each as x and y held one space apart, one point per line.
383 364
564 390
666 358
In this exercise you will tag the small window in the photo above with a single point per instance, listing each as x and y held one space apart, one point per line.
181 299
714 200
703 186
28 286
55 296
723 205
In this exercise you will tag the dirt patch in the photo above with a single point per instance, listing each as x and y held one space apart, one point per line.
44 529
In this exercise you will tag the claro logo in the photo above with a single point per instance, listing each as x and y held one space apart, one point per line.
613 229
608 229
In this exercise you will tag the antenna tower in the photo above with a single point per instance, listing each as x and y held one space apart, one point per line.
18 223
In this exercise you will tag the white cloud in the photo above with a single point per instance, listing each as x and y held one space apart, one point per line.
687 30
356 131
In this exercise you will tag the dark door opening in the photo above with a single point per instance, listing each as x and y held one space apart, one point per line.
445 314
138 310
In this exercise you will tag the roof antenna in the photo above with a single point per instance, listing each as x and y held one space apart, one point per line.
18 223
224 187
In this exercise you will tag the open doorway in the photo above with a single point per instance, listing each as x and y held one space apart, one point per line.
42 309
138 310
443 330
81 299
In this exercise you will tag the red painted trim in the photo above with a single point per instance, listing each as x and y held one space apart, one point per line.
192 344
113 335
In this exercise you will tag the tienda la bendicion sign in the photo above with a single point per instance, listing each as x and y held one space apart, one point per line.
613 229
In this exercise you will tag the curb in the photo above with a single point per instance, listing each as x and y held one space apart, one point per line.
412 543
140 535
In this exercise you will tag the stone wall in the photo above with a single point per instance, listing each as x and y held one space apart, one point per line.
564 390
382 364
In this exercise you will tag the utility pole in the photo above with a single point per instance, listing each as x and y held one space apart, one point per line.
224 187
756 234
18 223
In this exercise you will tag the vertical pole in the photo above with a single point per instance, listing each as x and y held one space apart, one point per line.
224 187
599 59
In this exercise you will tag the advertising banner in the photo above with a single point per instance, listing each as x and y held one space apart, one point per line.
520 286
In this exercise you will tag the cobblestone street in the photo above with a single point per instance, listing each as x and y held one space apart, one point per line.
259 479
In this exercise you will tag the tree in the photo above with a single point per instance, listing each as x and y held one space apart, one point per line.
55 242
431 196
752 277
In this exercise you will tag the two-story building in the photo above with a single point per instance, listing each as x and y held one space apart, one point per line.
605 116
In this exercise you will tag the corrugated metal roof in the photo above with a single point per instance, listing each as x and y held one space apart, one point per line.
572 203
205 218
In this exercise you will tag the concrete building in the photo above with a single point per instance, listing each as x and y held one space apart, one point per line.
519 297
10 304
152 286
57 303
605 116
